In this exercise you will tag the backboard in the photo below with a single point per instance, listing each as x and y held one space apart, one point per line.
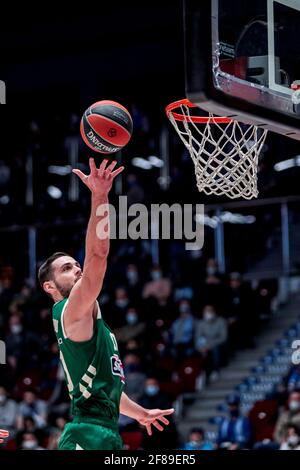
243 60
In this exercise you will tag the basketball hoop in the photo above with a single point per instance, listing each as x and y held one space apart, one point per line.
224 151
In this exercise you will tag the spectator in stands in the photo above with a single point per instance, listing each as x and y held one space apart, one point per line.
159 286
210 340
292 438
211 292
159 305
55 432
5 173
281 395
294 379
241 313
135 377
182 331
54 440
6 294
33 407
197 441
289 416
29 425
14 341
133 282
24 301
235 431
154 397
212 267
30 442
60 423
265 301
133 329
119 308
58 402
8 411
22 346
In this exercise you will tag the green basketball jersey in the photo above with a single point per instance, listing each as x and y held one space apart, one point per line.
93 371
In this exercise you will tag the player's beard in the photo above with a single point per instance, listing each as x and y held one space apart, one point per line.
63 290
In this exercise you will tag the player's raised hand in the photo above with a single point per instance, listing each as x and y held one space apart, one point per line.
3 435
100 180
155 418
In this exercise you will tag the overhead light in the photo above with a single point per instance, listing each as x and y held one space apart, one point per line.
228 217
237 218
206 220
155 161
60 170
141 163
4 199
54 192
147 163
286 164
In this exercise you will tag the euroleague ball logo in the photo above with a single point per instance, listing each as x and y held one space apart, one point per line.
112 132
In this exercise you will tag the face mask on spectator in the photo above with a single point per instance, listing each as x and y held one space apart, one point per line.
156 275
16 329
131 318
210 270
209 315
184 308
132 276
294 405
121 303
29 444
194 444
151 390
293 440
2 399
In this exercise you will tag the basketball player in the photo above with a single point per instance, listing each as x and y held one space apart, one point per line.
88 348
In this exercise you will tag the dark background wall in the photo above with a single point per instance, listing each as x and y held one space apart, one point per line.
118 49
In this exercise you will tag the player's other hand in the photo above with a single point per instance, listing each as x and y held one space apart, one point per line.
3 435
99 181
155 418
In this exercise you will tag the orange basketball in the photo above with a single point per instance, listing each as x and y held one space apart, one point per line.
106 126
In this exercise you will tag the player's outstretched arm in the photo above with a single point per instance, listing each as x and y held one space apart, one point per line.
145 417
86 290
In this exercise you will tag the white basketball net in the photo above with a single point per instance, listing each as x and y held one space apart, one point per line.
225 155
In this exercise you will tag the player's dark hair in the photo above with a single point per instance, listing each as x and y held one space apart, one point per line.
197 430
294 426
45 272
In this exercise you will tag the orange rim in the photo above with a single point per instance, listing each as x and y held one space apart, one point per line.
197 119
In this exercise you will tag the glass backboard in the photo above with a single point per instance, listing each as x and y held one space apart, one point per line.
243 60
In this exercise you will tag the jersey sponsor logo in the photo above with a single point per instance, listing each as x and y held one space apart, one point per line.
117 367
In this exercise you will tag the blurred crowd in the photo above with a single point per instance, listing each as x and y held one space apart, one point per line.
177 322
272 424
174 336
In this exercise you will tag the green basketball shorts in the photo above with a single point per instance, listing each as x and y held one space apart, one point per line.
88 436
